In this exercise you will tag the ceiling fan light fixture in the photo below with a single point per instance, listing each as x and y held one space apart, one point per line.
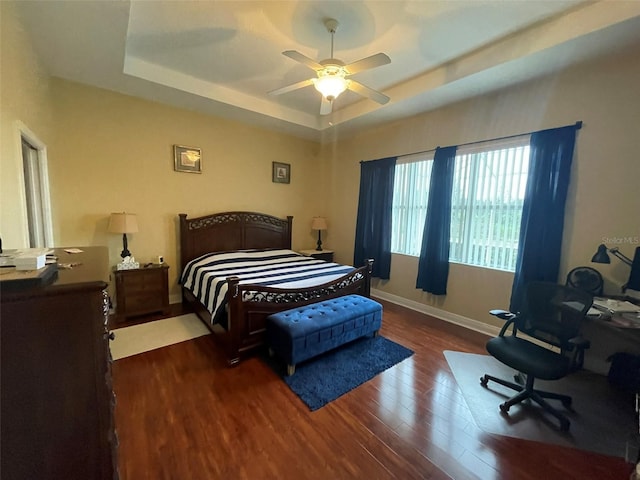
331 83
332 74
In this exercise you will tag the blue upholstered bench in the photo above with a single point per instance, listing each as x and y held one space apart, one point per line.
302 333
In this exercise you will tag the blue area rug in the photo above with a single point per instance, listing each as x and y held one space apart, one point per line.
324 378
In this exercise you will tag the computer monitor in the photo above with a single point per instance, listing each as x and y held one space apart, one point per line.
634 276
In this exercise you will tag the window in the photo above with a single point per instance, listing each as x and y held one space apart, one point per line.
488 193
409 207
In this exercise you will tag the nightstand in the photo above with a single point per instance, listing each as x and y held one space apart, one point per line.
326 255
140 291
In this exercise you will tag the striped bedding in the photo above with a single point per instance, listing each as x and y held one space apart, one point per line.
206 276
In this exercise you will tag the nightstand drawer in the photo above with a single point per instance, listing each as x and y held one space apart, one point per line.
142 290
143 280
139 303
326 255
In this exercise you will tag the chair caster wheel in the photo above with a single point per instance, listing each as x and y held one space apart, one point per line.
484 381
504 408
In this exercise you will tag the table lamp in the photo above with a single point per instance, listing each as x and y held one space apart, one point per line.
319 223
123 223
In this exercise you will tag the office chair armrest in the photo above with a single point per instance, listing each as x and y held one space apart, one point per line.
502 314
505 315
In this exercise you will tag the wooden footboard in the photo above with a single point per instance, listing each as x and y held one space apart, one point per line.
250 305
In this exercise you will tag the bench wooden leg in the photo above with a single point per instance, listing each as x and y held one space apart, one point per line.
291 369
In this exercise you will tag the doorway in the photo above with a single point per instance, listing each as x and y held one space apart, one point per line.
36 191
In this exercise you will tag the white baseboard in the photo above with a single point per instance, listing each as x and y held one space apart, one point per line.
419 307
437 313
454 318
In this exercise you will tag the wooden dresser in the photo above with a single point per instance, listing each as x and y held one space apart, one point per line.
56 399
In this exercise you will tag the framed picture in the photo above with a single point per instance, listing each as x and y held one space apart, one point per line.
187 159
281 172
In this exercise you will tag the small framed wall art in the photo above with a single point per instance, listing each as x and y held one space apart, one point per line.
281 172
187 159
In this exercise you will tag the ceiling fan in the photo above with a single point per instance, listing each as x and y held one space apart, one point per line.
332 75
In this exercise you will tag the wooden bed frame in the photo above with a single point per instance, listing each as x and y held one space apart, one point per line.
246 315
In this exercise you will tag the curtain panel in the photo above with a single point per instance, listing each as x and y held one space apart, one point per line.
433 266
542 223
373 224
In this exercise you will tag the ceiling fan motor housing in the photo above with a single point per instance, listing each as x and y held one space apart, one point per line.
331 24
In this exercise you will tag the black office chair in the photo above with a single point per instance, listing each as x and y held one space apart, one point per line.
552 314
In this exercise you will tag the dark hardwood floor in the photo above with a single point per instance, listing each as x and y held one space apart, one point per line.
182 414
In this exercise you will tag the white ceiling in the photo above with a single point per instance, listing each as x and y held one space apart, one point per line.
222 57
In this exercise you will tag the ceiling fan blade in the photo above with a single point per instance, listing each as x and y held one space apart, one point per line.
326 106
298 57
289 88
365 91
369 62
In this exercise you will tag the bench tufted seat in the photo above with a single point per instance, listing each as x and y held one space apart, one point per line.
302 333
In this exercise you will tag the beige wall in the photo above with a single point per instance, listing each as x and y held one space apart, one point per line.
108 153
603 201
114 153
24 103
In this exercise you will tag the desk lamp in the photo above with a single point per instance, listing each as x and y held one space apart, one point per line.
319 223
602 256
123 223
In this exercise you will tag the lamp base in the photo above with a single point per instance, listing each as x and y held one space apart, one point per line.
319 246
125 248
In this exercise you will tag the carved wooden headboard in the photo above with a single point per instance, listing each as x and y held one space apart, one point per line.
227 231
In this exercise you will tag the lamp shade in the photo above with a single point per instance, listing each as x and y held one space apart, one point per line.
319 223
601 255
123 223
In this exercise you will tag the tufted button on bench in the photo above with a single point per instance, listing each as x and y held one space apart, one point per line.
302 333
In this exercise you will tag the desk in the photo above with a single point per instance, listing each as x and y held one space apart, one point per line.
609 334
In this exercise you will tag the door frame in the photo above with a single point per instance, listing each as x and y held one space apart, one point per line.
23 132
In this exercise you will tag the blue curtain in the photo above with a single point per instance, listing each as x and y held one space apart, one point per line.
373 225
542 221
433 267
